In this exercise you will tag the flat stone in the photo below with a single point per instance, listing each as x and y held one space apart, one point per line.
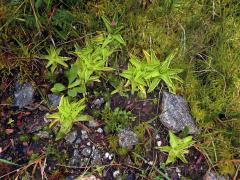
86 151
23 95
175 113
127 139
54 100
71 137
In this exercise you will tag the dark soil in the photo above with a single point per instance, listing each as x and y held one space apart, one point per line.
19 143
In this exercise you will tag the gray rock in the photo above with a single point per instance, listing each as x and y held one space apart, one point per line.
70 137
93 124
96 157
131 176
84 134
86 151
116 173
54 100
77 143
175 114
127 139
99 130
98 102
210 175
78 160
69 178
75 160
23 95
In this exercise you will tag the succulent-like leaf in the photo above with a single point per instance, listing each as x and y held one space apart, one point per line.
177 149
67 114
54 58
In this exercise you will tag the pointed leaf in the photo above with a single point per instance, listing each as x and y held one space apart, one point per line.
153 85
8 162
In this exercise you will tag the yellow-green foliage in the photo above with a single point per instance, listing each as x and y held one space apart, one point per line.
205 32
207 35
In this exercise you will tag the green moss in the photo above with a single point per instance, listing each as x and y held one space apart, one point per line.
113 144
116 120
206 34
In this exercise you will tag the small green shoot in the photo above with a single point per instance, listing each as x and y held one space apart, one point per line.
114 37
8 162
178 148
68 113
54 58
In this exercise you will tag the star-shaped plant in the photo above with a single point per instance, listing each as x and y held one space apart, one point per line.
68 113
54 58
177 149
158 71
135 75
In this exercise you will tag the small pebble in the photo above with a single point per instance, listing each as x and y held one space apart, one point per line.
110 157
1 149
157 136
159 143
70 138
150 163
93 123
178 170
43 134
84 134
116 173
99 130
98 102
76 152
78 141
106 155
89 144
179 175
86 151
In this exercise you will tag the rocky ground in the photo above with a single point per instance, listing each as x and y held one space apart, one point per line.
27 141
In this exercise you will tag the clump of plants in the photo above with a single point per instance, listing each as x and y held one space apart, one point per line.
54 59
149 72
92 60
68 113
